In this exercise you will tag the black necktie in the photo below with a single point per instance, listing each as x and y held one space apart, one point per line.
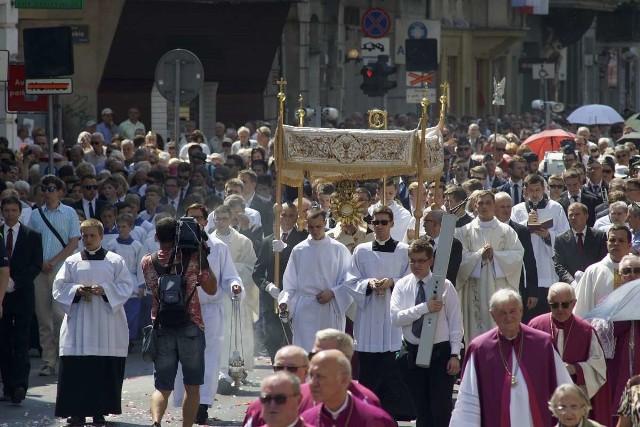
284 237
9 242
92 213
516 194
580 242
416 327
575 198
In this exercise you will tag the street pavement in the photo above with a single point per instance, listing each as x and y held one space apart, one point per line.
38 408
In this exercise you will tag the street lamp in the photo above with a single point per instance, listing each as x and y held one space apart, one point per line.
548 106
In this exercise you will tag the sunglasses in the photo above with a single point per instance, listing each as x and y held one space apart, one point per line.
380 222
464 148
628 270
90 187
292 369
279 399
556 186
48 188
555 305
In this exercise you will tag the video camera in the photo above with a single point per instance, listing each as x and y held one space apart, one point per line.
190 238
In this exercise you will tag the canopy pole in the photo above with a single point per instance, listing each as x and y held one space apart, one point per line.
417 213
277 208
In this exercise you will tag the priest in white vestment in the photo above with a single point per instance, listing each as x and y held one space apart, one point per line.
313 283
375 268
402 218
602 278
92 287
538 208
491 260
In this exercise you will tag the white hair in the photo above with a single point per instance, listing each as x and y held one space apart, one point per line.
503 296
560 287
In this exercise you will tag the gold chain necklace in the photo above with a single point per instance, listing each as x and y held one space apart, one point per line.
512 376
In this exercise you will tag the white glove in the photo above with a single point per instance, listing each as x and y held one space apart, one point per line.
273 290
11 287
279 245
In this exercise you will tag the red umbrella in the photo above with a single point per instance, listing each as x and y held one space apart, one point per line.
547 140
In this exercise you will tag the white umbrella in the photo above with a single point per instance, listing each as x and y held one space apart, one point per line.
595 114
621 304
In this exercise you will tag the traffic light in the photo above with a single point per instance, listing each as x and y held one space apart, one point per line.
369 79
375 77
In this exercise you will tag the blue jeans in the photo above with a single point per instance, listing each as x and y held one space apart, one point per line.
185 345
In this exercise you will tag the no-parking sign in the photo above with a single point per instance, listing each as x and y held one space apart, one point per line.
376 22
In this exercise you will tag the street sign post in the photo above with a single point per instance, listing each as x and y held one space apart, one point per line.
179 78
54 86
376 22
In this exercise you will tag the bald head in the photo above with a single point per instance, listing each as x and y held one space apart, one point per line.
330 378
293 359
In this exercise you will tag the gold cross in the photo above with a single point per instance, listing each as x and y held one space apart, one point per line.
281 83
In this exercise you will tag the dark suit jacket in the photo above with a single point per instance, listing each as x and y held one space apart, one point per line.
97 208
587 187
529 259
567 260
507 189
587 199
455 259
498 182
266 212
263 272
25 264
463 220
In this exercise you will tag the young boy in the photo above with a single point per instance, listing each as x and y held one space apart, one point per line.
108 219
138 233
132 251
134 201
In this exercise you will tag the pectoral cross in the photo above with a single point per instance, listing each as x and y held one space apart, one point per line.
513 381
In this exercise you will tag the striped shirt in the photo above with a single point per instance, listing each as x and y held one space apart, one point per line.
65 220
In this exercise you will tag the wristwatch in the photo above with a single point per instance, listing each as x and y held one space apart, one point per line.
457 356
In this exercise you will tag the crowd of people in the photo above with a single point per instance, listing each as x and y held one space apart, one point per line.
91 251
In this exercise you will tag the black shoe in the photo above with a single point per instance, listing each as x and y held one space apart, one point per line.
202 416
18 395
99 420
76 421
156 424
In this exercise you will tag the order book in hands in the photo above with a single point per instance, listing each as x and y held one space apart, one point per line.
544 225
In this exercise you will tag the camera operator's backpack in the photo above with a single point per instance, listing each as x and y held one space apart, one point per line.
173 303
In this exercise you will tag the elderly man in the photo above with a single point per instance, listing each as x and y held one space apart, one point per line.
96 156
578 345
509 372
602 278
295 362
92 287
313 291
330 377
375 269
280 399
491 260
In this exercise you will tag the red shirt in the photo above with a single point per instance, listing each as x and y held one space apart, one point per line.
192 276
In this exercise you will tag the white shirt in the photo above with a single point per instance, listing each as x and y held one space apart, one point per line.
404 311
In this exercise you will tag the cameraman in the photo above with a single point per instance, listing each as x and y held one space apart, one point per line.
182 344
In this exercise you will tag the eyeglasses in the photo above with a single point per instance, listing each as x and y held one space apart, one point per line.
555 305
380 222
418 261
48 188
628 270
556 186
279 399
89 187
293 369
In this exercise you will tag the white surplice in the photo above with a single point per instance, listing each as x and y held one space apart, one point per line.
476 280
594 368
211 307
95 327
316 266
594 285
372 329
544 252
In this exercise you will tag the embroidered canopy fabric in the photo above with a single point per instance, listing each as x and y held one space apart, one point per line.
337 154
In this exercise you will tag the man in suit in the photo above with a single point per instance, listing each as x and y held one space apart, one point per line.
454 200
595 184
495 181
515 185
23 247
529 277
574 194
463 152
432 227
250 179
580 246
90 204
264 276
